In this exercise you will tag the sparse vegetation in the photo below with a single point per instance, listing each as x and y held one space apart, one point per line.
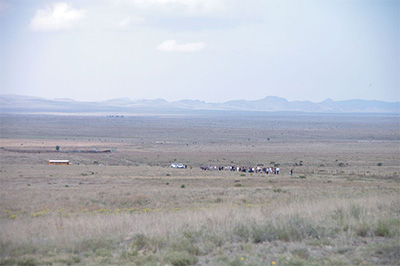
179 242
131 210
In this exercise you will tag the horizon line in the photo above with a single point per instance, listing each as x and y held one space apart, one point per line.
187 99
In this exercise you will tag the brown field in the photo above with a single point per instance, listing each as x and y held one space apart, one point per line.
341 206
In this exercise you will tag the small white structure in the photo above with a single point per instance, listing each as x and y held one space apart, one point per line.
58 162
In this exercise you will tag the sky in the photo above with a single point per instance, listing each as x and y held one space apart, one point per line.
209 50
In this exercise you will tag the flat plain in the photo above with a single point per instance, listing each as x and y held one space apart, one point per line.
341 206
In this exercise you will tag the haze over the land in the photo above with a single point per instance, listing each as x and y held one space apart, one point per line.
28 104
212 50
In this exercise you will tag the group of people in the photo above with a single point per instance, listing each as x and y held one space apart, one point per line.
258 169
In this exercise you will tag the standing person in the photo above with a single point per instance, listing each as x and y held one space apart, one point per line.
291 171
277 170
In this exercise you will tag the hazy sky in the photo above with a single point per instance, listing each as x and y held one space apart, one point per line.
212 50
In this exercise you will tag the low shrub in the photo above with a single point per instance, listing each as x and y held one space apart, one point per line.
357 211
27 262
89 246
218 200
187 245
242 232
388 253
141 244
180 258
295 229
382 229
301 253
362 229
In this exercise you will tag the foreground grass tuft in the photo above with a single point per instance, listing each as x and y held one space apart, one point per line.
306 232
295 229
181 258
388 253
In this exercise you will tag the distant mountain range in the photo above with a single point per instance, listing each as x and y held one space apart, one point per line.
28 104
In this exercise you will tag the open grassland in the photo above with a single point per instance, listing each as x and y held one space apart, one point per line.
341 206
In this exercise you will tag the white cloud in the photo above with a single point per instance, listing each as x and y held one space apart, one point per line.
173 46
193 15
178 7
57 17
125 22
128 22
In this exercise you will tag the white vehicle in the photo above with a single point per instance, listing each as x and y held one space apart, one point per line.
177 165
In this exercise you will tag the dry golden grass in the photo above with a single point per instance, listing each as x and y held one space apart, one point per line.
128 207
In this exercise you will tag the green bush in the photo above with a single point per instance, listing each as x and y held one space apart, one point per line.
339 216
362 229
262 233
298 228
27 262
382 229
388 253
187 245
93 245
295 229
301 253
181 258
242 232
356 211
140 243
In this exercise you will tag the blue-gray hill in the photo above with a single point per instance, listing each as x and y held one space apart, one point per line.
28 104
